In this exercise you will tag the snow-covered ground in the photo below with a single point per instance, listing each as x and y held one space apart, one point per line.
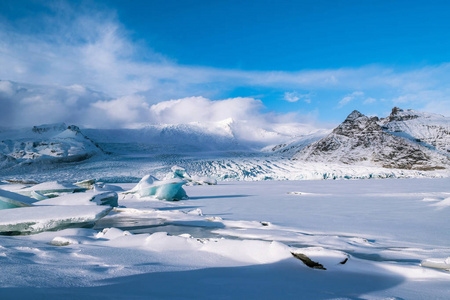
239 240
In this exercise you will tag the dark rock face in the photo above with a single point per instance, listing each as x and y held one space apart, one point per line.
49 127
398 114
361 139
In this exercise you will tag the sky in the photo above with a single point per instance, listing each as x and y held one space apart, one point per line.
120 63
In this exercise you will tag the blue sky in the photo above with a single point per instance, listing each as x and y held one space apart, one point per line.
311 60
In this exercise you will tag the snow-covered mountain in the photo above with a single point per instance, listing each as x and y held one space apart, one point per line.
225 136
364 140
291 147
407 143
431 130
46 143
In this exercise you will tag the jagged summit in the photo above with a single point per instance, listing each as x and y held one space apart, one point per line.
399 114
353 116
49 127
357 123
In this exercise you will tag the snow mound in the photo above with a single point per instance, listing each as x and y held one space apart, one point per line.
443 203
437 263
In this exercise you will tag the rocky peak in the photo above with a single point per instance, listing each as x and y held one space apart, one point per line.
360 139
74 128
399 114
49 127
357 123
353 116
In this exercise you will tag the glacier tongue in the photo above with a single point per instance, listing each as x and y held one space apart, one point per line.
30 220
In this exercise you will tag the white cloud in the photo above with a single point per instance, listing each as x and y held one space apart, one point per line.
28 105
93 49
370 100
80 51
291 97
6 88
296 96
347 99
200 109
436 101
123 111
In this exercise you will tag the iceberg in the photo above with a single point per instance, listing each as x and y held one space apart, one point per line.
13 200
30 220
88 198
169 189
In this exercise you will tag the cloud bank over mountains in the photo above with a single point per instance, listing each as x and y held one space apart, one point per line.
28 105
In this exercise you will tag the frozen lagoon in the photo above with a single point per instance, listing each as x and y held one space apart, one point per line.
233 240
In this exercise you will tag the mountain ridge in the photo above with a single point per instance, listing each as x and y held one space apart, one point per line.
368 140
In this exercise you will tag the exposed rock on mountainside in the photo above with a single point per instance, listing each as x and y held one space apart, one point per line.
360 139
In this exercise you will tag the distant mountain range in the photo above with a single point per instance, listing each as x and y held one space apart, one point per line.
406 139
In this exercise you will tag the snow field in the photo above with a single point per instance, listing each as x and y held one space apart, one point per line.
376 239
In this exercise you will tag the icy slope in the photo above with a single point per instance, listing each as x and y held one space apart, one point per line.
361 140
289 148
52 142
431 130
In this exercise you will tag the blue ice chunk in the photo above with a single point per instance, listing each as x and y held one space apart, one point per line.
13 200
170 189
